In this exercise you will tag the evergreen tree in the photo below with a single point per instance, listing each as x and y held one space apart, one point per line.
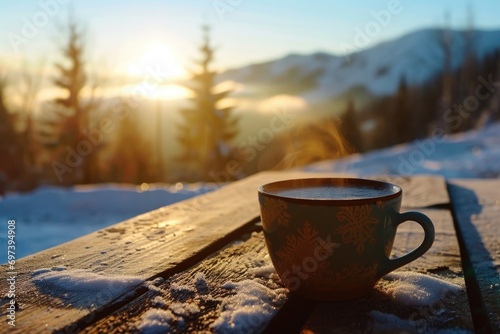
384 133
72 113
402 118
445 102
11 166
491 112
350 127
207 129
424 103
466 81
131 159
31 83
467 74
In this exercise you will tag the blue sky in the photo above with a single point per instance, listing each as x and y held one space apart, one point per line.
244 31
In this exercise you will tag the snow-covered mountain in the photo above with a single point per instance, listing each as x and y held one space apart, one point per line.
378 70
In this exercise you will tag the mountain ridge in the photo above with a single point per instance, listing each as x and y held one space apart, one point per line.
319 76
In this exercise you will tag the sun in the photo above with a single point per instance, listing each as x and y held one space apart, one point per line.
157 63
157 57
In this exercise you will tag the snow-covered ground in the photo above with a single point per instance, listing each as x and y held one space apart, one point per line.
49 216
474 154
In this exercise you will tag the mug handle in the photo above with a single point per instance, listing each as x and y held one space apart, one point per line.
391 264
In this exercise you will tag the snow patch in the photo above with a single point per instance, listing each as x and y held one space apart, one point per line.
155 321
199 279
92 289
249 309
415 289
176 287
264 271
184 309
158 301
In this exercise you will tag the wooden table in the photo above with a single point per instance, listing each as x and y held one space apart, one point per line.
180 258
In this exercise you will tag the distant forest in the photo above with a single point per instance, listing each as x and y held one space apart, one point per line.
81 141
451 102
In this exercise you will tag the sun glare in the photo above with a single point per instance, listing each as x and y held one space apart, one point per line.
159 62
157 58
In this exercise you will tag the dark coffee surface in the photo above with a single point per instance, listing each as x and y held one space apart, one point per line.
335 192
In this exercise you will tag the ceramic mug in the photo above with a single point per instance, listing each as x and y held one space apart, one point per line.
331 238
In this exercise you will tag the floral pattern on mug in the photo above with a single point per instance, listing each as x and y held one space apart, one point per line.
305 254
358 227
275 210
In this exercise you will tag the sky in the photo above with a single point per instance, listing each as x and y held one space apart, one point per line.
126 34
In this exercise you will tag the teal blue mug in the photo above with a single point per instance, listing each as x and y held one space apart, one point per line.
331 238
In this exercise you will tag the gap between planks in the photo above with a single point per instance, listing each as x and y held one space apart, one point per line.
476 210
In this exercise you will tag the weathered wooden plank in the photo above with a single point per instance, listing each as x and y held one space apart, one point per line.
204 288
444 255
476 204
421 190
143 247
379 312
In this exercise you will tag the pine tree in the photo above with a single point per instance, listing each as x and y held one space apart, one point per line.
130 161
72 113
445 103
466 81
31 83
207 130
491 112
11 165
402 117
350 128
